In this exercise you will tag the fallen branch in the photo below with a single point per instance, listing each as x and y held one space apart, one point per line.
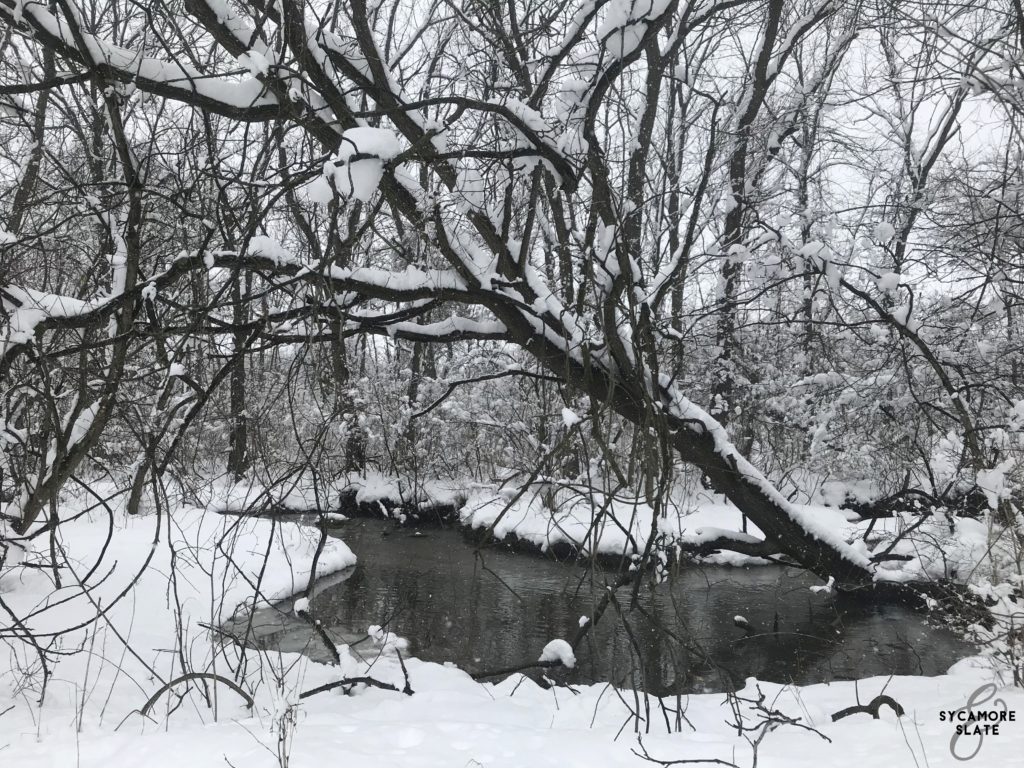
517 668
733 541
353 681
321 634
407 689
870 708
197 676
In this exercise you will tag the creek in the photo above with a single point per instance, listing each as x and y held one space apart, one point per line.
489 609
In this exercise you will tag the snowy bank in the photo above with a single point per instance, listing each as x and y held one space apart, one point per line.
158 583
369 493
450 720
202 567
597 524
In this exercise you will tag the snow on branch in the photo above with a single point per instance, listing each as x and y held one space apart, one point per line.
30 312
241 98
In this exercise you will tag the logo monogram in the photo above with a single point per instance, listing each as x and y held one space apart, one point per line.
988 691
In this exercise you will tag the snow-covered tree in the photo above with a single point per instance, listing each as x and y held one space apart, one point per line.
639 198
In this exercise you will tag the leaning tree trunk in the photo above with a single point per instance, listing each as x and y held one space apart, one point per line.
703 442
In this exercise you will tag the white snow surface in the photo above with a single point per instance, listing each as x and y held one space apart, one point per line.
148 73
451 720
888 282
884 232
570 417
578 520
218 565
355 175
28 307
560 651
593 524
625 24
826 588
90 716
363 140
268 247
82 424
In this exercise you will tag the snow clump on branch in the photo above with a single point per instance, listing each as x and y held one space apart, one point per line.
560 652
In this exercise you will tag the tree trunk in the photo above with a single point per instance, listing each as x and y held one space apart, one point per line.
238 438
727 340
704 443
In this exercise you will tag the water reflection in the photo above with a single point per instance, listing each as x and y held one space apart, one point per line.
493 609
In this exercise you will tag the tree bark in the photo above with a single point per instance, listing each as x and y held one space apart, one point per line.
238 438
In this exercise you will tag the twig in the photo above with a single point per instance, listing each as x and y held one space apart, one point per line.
407 689
687 761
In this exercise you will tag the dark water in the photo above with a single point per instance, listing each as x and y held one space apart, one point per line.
495 609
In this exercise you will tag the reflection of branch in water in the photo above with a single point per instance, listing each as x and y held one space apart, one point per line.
906 645
775 635
479 558
644 685
689 645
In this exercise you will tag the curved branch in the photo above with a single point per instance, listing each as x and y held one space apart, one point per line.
871 708
197 676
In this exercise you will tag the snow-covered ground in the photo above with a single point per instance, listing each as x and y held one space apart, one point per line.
91 716
452 721
157 582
